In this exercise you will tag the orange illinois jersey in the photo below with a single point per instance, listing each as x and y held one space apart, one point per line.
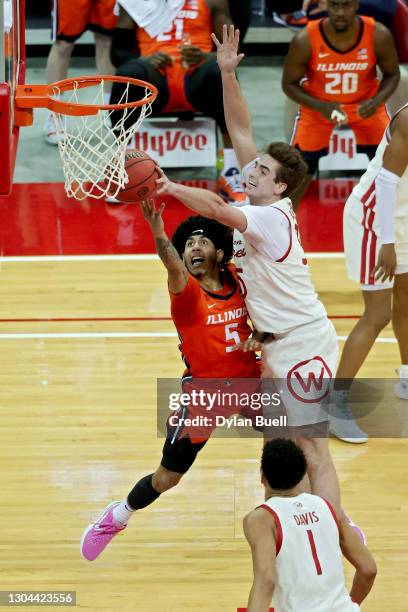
193 24
346 77
210 326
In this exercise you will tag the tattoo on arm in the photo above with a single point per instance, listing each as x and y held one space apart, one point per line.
168 254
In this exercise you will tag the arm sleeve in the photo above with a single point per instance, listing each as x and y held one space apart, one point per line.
186 306
268 230
386 196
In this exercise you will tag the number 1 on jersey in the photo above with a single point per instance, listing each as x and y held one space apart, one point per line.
314 551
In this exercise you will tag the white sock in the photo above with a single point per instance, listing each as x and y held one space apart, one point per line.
122 512
230 160
403 371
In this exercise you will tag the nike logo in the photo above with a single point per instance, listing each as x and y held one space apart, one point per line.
211 305
324 54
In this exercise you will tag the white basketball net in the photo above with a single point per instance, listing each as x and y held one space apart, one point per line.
92 154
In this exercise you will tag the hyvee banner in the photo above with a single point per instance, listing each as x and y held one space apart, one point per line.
175 144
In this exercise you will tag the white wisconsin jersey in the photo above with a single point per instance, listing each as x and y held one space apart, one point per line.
365 189
309 561
279 294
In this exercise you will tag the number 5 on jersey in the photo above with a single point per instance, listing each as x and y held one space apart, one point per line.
231 335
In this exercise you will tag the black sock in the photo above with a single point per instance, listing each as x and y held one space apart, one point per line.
143 494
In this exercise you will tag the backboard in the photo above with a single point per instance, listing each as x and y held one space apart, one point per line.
12 73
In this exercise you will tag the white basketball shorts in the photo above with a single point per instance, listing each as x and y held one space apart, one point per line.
362 244
302 363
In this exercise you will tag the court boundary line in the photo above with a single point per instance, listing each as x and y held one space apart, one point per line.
115 319
130 257
78 335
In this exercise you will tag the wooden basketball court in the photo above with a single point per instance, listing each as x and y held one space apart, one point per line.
79 429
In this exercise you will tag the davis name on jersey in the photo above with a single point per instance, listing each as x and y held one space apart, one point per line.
309 561
306 518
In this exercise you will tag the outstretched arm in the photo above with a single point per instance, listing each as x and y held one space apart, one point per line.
258 531
236 111
203 202
176 271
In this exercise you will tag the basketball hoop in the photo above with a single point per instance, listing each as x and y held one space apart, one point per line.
91 147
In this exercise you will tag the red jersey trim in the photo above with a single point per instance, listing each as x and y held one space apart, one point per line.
279 531
336 520
281 259
369 244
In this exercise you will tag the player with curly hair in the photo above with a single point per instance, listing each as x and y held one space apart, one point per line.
209 313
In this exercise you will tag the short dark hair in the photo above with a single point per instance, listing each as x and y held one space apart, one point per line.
283 464
293 168
220 235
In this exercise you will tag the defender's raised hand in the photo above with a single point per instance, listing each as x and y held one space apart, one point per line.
164 184
227 51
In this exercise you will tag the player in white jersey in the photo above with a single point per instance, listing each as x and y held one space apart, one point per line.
376 248
298 543
301 353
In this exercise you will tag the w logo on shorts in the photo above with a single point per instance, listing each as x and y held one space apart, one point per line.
309 381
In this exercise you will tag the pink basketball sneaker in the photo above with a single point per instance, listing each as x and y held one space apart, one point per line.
97 536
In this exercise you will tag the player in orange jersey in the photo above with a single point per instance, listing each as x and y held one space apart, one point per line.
211 319
180 62
331 71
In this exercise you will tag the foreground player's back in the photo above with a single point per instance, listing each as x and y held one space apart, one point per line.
309 562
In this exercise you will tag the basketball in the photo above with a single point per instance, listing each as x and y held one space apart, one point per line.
142 173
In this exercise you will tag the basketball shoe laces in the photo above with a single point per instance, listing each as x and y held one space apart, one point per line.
108 527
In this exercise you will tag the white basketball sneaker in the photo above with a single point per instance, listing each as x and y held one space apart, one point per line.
342 421
51 135
401 388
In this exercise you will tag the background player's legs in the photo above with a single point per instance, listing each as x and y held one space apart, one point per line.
400 326
240 15
377 314
57 69
58 60
103 62
139 68
204 91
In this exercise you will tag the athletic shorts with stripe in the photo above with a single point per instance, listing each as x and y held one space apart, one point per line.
362 241
72 17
